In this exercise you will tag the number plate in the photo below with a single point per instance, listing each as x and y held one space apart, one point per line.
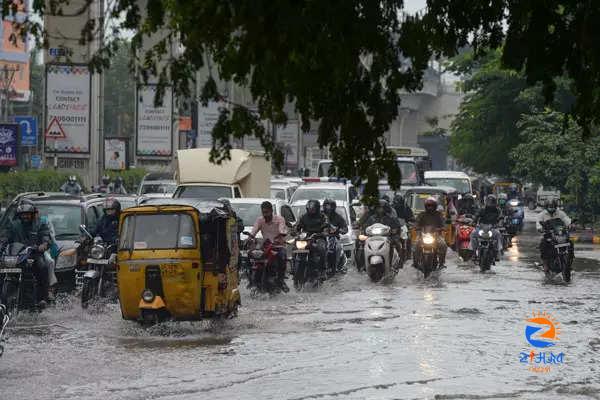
102 261
10 270
301 251
171 270
562 245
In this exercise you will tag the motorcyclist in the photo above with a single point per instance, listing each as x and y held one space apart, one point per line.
273 228
466 205
104 185
488 215
550 212
381 216
433 218
313 221
402 209
337 221
388 206
71 186
108 226
117 186
29 230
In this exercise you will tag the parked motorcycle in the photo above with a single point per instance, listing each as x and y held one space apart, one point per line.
100 278
486 249
556 234
263 274
381 258
426 254
308 259
463 237
19 284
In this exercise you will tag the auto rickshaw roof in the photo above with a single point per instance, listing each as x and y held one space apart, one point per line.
202 206
431 189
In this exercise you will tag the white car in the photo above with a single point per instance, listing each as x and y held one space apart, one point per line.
455 179
316 189
342 208
282 192
157 189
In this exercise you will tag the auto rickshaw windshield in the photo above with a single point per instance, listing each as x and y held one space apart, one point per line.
157 231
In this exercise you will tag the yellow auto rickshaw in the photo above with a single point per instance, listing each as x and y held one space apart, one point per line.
178 260
446 197
513 189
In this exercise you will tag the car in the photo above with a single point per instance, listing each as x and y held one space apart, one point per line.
157 188
456 179
248 209
282 192
342 208
325 188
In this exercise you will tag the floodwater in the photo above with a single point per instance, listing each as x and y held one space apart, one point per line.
454 337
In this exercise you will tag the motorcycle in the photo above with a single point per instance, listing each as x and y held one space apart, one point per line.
381 258
336 258
506 237
19 284
557 235
100 278
262 272
463 237
486 249
426 254
514 223
308 259
359 254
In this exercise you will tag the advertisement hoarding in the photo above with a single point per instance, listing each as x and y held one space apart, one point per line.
115 154
207 119
154 123
67 123
287 140
9 139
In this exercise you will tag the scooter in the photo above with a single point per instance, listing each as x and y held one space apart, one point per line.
381 258
463 237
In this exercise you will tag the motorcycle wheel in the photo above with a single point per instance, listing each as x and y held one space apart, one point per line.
427 265
485 261
149 318
88 291
299 274
566 270
376 272
10 297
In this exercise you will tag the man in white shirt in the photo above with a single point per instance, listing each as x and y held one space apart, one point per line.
551 212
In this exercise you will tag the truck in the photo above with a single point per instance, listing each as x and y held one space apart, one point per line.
246 174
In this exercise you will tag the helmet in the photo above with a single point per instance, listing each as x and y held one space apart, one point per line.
329 206
72 179
431 204
386 198
105 179
490 201
119 180
313 207
381 207
551 206
112 204
398 200
25 207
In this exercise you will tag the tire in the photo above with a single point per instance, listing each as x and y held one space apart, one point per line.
376 272
531 205
10 297
485 261
149 318
300 274
88 291
427 265
566 270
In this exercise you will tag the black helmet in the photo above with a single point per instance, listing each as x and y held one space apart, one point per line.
72 179
382 207
105 179
329 206
112 204
490 201
386 198
25 207
313 207
551 206
398 200
431 204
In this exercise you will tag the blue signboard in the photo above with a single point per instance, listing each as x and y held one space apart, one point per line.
9 136
29 131
36 161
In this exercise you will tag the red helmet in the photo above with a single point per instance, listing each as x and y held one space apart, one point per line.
431 204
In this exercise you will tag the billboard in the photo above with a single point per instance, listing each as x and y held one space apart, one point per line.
9 138
287 140
154 123
115 154
14 54
207 119
67 122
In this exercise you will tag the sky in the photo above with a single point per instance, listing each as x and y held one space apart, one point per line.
411 6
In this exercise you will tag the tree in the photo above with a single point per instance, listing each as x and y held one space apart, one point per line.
343 63
119 95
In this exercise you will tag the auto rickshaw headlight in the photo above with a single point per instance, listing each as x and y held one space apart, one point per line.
147 296
301 244
97 251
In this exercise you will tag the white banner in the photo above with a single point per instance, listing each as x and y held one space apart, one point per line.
115 154
154 124
287 140
67 125
207 119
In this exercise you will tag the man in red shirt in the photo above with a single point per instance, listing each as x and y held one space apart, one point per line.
273 228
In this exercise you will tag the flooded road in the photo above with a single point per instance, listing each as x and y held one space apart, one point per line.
455 337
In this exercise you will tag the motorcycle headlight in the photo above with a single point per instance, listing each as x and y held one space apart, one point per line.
97 251
481 232
362 238
428 239
301 244
147 296
489 234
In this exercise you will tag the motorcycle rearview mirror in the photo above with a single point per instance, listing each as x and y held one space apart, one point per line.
83 229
